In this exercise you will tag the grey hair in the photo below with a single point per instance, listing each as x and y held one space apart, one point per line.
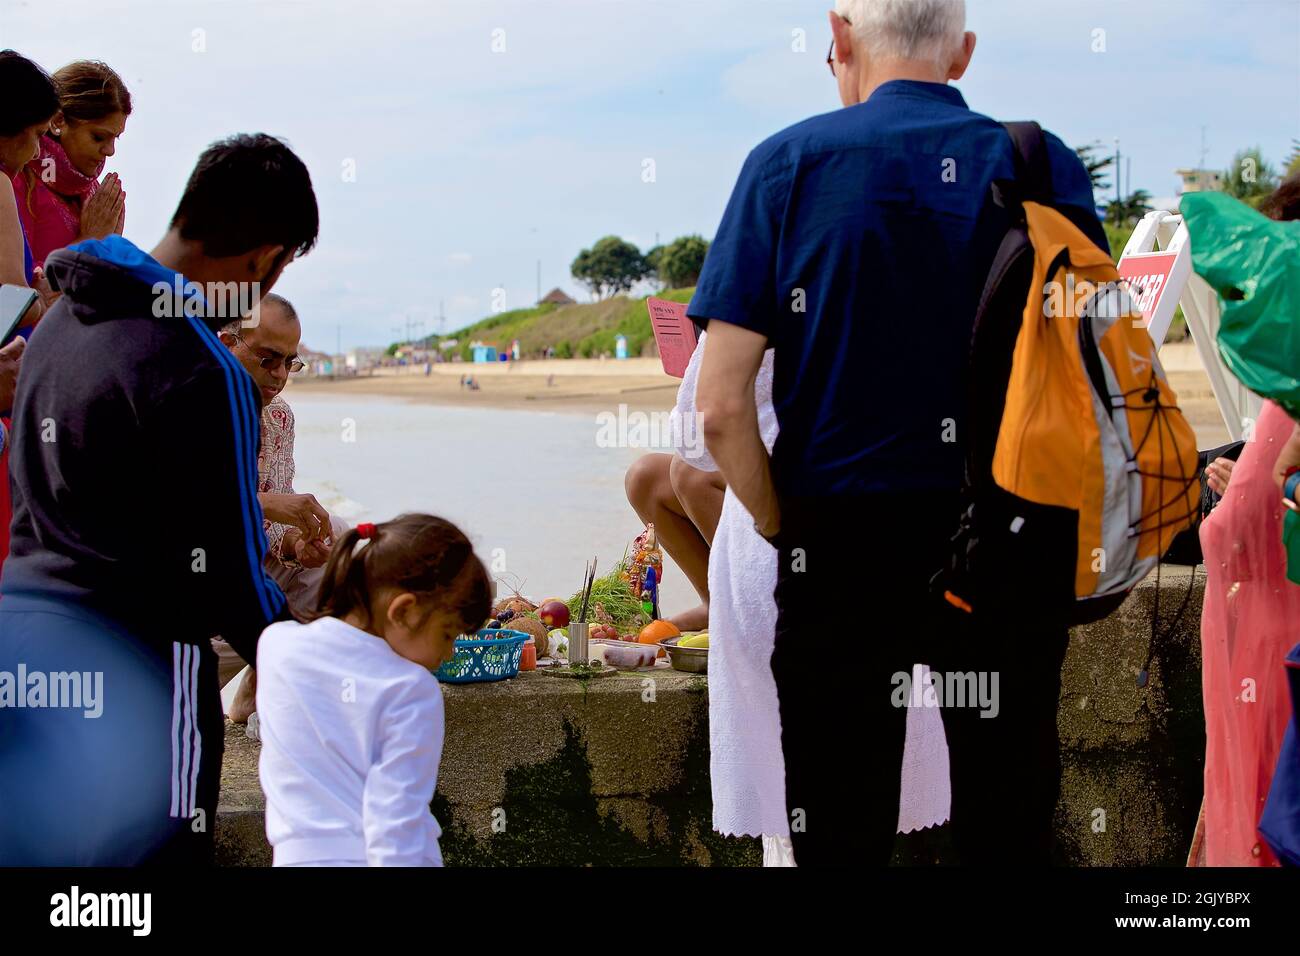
924 30
272 297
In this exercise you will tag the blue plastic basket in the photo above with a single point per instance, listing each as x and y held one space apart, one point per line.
492 655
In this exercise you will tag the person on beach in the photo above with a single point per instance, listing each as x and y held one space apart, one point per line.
746 767
1248 625
299 531
61 200
850 248
351 713
93 586
28 102
681 501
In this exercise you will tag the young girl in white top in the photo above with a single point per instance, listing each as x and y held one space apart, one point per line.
351 714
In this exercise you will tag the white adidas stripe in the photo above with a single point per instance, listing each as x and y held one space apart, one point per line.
176 713
187 738
187 728
198 735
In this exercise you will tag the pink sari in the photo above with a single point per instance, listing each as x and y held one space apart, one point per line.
51 193
1250 621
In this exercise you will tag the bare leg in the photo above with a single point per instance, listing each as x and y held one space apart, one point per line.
245 701
228 662
650 492
700 493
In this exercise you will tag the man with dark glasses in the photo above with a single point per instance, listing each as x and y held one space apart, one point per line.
299 531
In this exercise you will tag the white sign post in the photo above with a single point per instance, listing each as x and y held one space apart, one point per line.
1157 263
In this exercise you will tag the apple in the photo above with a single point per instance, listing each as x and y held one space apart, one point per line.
554 614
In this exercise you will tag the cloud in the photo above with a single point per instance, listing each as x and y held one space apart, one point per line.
530 155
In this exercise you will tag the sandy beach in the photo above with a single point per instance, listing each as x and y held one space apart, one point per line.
596 385
557 385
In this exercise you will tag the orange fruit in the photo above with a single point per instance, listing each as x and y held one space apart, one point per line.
657 631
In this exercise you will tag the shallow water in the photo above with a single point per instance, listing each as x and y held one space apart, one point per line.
531 489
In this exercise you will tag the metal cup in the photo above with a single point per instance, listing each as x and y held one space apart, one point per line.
579 652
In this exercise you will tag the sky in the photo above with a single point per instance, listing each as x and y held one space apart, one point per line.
455 144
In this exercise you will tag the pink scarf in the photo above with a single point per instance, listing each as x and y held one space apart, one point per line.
51 210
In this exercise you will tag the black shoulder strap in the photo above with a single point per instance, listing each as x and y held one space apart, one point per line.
1033 166
1034 181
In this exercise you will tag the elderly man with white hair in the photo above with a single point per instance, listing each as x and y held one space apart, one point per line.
856 245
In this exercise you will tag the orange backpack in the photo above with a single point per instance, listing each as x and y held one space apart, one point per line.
1080 467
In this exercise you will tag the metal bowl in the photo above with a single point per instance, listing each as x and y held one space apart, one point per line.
693 660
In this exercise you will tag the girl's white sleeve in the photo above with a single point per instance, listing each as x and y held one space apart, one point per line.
395 813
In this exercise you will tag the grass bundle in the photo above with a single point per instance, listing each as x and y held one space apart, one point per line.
616 597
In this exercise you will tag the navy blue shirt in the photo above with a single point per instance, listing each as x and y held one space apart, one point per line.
858 243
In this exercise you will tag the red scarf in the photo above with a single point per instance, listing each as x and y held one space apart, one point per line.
50 193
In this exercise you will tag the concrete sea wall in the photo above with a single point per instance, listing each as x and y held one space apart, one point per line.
615 770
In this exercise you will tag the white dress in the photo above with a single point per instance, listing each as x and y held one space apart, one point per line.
746 766
351 740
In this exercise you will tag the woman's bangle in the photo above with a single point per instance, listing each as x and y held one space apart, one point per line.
1290 484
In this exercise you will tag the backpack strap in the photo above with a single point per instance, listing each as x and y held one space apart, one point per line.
1033 166
1034 181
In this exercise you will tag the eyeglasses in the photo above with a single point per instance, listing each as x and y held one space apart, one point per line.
830 54
291 363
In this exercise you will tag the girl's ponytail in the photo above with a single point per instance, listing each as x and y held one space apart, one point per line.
337 595
419 553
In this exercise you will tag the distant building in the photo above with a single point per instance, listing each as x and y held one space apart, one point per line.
1200 180
413 354
363 358
318 363
556 296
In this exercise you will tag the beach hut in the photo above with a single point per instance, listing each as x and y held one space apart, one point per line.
556 296
484 353
620 347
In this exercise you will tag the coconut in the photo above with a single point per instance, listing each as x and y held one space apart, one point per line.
530 624
516 602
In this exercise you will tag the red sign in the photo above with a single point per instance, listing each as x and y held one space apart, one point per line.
1147 276
674 334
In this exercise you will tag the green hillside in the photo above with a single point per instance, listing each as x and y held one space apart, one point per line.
583 330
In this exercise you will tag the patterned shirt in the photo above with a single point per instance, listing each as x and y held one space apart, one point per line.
275 467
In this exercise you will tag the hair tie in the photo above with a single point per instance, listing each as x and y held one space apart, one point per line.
365 530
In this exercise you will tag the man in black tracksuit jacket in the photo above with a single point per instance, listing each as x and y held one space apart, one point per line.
137 535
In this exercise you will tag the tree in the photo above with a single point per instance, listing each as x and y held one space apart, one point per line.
1128 211
609 267
652 262
1250 177
1293 164
1096 166
681 261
